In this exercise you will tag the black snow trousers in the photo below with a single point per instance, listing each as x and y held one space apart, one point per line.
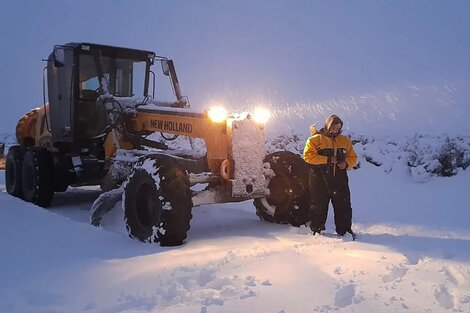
326 185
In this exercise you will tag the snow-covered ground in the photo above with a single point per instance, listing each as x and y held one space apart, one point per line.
412 253
395 71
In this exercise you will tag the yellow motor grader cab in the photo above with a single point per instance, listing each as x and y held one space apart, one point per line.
99 126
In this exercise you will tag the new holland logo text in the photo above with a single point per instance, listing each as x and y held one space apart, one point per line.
172 126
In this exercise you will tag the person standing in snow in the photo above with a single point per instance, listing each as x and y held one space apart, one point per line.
330 155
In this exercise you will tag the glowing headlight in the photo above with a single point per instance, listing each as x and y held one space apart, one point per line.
261 115
217 114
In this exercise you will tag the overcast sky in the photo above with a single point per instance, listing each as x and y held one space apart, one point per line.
245 50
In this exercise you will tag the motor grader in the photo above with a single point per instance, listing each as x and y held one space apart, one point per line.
99 127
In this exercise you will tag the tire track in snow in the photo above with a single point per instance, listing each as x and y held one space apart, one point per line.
344 296
193 285
444 297
396 273
199 284
446 294
453 275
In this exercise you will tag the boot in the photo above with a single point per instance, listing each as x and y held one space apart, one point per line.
343 232
316 229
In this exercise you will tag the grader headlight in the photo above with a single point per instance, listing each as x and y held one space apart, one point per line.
261 115
217 114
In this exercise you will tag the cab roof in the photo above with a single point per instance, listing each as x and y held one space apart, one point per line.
112 51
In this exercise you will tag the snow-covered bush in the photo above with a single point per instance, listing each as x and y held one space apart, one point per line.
454 154
440 156
292 142
420 155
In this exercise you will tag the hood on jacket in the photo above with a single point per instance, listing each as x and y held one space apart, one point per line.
313 129
332 120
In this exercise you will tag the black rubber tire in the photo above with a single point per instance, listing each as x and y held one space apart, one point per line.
177 194
159 214
142 206
37 177
61 173
13 165
61 185
289 198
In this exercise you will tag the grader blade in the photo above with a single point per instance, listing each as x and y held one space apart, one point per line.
105 203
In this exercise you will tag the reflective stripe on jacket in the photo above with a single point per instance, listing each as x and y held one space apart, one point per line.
320 148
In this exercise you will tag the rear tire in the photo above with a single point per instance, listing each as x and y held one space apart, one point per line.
62 175
158 205
13 165
36 177
289 198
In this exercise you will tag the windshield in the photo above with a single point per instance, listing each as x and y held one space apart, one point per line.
125 78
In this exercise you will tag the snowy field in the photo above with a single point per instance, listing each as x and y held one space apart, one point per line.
412 253
397 72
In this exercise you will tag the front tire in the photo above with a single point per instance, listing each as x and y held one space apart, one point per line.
158 205
288 201
142 206
13 165
36 177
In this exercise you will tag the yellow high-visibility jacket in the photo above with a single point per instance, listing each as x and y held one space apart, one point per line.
320 148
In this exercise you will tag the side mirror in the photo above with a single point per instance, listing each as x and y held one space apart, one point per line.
165 67
59 57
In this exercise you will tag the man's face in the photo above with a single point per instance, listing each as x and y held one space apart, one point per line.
334 129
